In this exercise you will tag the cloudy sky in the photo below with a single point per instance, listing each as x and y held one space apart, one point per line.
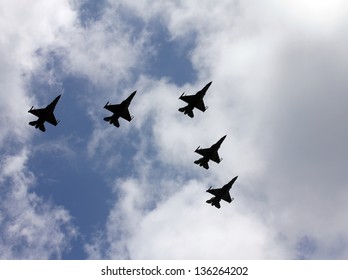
87 190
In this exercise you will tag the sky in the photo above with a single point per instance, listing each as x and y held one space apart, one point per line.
87 190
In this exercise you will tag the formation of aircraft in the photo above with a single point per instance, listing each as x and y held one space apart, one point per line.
194 101
209 154
44 115
121 111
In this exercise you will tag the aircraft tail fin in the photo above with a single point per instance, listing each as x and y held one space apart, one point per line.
214 202
42 128
113 121
116 123
202 162
37 125
186 111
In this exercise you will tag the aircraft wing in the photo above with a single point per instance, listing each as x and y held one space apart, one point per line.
52 119
215 192
187 98
200 105
37 112
218 193
215 157
125 114
203 152
227 197
113 108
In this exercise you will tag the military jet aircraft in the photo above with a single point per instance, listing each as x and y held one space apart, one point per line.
209 154
222 193
119 110
194 101
45 115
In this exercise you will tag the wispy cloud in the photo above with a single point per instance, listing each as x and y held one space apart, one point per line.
31 227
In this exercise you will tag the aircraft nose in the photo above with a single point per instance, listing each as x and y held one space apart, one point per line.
131 95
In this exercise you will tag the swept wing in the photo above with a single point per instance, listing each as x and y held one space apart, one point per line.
215 157
126 115
203 152
52 119
37 112
188 98
200 105
113 108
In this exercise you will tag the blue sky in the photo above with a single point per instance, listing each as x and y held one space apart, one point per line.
87 190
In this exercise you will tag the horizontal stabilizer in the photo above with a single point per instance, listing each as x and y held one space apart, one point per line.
116 123
202 162
42 128
107 119
214 202
186 111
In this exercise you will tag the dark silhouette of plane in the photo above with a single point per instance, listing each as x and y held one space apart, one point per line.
119 111
209 154
222 193
45 115
194 101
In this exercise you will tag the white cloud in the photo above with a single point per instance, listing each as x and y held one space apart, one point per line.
184 227
31 227
106 50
